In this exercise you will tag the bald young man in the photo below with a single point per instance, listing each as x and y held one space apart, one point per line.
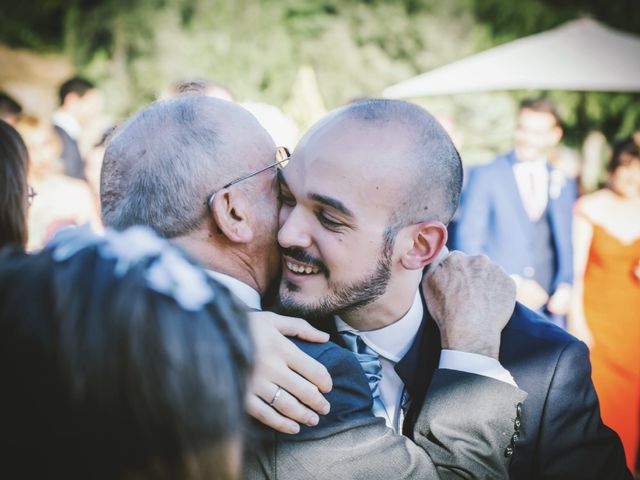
204 183
365 202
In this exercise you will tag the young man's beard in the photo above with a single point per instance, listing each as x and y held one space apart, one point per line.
342 298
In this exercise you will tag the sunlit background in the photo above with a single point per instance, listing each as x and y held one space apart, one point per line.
303 56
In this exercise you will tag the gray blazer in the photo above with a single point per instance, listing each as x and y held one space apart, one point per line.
462 431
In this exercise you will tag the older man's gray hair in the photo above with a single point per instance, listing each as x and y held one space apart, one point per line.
161 164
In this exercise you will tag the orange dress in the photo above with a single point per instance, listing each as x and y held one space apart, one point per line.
612 312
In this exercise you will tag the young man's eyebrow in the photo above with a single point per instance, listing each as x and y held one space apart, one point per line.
331 202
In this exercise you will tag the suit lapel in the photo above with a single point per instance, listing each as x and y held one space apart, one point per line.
551 203
418 365
327 325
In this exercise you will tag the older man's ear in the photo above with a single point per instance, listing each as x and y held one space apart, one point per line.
230 210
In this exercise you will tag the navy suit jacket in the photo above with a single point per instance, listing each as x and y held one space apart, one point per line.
492 219
73 162
561 435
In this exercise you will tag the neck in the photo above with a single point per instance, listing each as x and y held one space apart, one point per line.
222 257
625 199
389 308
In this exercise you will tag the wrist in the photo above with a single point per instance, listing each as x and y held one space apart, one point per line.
482 344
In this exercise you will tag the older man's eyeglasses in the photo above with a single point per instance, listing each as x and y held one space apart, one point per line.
282 160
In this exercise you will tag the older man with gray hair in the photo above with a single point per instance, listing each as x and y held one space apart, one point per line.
200 171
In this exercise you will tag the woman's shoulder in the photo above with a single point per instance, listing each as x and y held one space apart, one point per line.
594 206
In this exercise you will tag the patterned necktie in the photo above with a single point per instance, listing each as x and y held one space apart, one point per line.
370 363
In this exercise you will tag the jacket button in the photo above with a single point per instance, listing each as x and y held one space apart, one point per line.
519 409
514 438
516 424
508 451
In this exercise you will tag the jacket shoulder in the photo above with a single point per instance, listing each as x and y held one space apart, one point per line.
498 165
535 328
350 397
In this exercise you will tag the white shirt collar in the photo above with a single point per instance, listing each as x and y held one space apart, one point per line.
249 296
393 341
68 123
539 164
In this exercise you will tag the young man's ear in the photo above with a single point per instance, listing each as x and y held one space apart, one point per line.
429 238
229 210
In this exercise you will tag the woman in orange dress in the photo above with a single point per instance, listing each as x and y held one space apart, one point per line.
606 313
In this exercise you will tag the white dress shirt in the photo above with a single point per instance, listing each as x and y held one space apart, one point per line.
394 341
247 295
68 123
532 178
391 343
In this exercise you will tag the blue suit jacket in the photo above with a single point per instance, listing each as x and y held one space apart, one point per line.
492 220
73 162
561 435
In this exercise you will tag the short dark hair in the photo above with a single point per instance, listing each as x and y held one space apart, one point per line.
199 86
8 106
434 175
77 85
104 375
541 105
14 165
624 152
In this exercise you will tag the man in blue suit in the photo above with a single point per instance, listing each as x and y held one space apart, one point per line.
365 200
517 210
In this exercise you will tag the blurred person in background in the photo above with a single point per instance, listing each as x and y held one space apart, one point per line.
131 364
198 86
80 103
15 194
10 110
61 200
517 210
606 308
276 122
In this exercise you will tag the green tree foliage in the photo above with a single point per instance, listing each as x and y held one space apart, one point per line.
135 48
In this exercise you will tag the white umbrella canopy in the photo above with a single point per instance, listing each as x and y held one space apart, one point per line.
578 55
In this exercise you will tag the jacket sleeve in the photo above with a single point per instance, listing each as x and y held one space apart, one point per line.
468 424
574 443
565 235
350 443
473 221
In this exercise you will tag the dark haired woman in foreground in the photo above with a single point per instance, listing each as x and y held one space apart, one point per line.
120 359
14 194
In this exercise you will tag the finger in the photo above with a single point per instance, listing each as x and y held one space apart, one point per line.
305 391
440 258
291 408
308 368
278 398
270 417
296 327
